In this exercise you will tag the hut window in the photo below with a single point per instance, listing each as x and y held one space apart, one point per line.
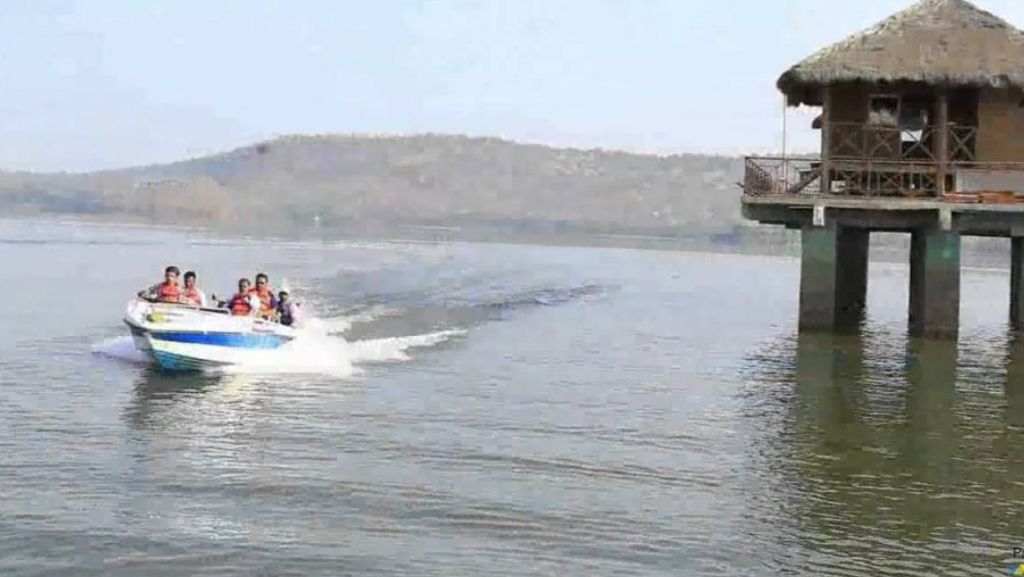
913 121
884 109
914 113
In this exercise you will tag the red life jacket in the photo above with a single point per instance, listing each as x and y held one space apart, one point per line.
168 292
266 299
191 295
239 305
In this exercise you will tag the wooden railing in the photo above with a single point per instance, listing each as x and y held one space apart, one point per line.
872 160
908 178
905 178
962 141
856 141
766 175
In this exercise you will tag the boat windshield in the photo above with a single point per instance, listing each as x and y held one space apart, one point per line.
154 301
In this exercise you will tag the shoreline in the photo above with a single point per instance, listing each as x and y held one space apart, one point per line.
760 241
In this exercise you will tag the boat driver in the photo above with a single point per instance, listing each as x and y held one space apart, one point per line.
168 291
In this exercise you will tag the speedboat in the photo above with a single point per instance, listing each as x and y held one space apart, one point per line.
184 337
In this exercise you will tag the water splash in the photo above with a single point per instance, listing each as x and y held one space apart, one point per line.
342 323
321 348
395 348
120 348
312 352
332 355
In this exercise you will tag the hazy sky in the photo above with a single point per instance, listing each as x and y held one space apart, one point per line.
101 84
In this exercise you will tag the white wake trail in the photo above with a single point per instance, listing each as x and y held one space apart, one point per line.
317 350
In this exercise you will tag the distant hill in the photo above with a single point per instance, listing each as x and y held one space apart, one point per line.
422 180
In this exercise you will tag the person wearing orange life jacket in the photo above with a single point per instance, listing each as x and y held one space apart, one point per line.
265 294
244 303
191 294
168 291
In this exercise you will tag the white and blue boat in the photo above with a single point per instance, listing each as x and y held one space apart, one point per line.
183 337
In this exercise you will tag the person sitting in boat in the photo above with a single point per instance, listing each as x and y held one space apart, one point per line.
168 291
244 303
287 309
265 294
191 294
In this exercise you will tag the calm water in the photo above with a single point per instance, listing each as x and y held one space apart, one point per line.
500 410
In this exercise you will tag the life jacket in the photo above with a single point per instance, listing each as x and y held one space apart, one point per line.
168 292
191 296
239 305
266 299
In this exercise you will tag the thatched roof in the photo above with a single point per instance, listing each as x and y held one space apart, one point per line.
935 42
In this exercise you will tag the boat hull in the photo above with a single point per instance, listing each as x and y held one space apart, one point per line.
184 338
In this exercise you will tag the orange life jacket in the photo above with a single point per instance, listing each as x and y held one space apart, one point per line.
266 299
191 295
239 305
168 292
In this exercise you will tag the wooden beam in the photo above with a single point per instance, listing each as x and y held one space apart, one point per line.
942 142
826 139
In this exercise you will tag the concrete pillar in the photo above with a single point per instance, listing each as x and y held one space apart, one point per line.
1017 282
934 284
817 278
852 283
833 277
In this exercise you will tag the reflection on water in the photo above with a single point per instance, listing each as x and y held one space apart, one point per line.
892 456
156 391
1015 384
197 401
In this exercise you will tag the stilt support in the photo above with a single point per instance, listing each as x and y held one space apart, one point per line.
934 284
833 277
1017 282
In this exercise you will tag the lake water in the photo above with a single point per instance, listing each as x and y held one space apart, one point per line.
500 410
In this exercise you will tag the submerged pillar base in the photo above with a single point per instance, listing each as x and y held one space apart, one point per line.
934 284
833 277
1017 282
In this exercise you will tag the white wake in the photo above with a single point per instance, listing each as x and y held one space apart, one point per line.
319 349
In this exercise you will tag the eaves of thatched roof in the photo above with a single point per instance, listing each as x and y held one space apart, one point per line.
934 42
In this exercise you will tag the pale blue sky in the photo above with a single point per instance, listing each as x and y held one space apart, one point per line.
96 84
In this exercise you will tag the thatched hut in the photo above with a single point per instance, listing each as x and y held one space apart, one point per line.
927 97
924 104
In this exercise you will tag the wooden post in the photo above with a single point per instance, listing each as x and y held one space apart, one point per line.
826 139
942 142
785 118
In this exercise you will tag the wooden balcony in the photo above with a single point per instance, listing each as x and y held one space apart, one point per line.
771 175
886 160
881 178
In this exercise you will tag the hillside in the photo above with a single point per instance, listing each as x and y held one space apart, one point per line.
430 179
